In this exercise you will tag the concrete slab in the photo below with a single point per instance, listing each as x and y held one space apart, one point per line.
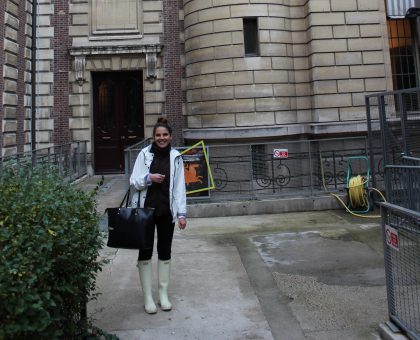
210 292
307 275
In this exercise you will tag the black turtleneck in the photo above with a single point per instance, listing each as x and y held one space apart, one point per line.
158 193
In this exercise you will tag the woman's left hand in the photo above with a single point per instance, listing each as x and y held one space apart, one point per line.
182 223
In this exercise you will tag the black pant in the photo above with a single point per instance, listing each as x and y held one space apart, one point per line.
165 232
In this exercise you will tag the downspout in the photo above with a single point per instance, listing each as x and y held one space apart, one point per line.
33 77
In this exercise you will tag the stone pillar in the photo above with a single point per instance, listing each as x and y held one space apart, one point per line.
15 57
44 74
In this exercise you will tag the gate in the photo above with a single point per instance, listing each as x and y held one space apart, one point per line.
399 118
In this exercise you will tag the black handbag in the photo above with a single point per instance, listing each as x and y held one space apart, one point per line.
130 228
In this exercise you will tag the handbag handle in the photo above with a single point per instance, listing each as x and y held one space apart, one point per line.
127 198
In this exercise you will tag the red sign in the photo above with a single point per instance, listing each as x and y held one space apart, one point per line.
280 153
392 238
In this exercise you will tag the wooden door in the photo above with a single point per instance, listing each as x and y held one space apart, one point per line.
118 118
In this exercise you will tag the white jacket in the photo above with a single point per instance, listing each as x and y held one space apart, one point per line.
177 191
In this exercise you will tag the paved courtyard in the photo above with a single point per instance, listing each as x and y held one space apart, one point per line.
313 275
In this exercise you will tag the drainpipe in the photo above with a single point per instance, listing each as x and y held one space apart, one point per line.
33 77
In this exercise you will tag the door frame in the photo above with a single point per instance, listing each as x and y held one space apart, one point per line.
140 73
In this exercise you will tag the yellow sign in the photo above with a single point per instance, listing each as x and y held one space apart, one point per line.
198 176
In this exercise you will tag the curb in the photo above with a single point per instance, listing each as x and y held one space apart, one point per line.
388 331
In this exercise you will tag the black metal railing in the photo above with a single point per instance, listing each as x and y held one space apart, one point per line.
69 159
130 156
394 119
252 171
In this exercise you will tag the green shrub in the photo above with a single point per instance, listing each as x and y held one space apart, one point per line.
49 241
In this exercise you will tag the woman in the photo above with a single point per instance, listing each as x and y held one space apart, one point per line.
158 175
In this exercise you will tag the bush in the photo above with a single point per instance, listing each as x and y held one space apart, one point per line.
49 241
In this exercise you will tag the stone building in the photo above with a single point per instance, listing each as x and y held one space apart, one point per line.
220 70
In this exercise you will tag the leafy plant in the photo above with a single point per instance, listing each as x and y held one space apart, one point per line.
49 242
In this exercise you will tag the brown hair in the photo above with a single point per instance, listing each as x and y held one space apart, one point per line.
162 122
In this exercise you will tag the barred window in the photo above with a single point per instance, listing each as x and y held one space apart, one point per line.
403 47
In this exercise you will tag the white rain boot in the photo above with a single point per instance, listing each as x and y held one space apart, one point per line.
145 273
164 269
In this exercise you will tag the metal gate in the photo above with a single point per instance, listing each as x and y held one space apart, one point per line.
402 266
399 120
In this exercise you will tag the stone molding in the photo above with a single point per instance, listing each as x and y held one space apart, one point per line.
80 53
279 131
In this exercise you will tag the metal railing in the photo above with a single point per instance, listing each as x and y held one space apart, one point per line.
250 171
312 167
401 228
69 159
399 117
130 156
402 183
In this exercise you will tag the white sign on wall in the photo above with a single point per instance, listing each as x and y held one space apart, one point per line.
280 153
392 238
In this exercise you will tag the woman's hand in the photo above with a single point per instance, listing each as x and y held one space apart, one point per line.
157 178
182 223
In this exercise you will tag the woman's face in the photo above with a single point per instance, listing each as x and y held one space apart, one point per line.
162 137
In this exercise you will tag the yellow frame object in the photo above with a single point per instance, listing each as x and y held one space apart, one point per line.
212 186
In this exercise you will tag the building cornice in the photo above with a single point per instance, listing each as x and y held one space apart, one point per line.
279 131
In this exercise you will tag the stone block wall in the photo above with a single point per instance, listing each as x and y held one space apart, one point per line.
347 51
15 54
47 116
150 32
317 60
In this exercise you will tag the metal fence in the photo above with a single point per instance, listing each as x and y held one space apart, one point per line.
130 156
399 116
69 159
310 168
252 171
401 229
402 184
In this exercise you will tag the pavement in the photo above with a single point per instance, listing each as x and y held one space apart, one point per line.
300 275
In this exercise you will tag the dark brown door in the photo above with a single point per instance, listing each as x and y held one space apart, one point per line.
118 117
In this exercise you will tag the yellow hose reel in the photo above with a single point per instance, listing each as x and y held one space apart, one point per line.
359 200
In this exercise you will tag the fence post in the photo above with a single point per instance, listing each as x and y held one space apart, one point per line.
251 175
78 159
403 115
382 116
310 168
86 156
370 141
388 264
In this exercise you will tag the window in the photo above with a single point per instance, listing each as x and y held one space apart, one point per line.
251 37
402 43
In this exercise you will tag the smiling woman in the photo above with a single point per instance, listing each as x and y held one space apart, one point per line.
158 177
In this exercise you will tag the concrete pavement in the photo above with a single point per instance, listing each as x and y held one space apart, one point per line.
307 275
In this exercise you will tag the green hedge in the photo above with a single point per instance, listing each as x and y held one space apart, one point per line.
49 241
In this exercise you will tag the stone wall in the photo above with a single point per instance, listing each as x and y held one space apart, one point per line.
317 60
118 50
15 36
45 76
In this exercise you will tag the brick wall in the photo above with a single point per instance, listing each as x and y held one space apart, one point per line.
62 66
2 29
173 69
